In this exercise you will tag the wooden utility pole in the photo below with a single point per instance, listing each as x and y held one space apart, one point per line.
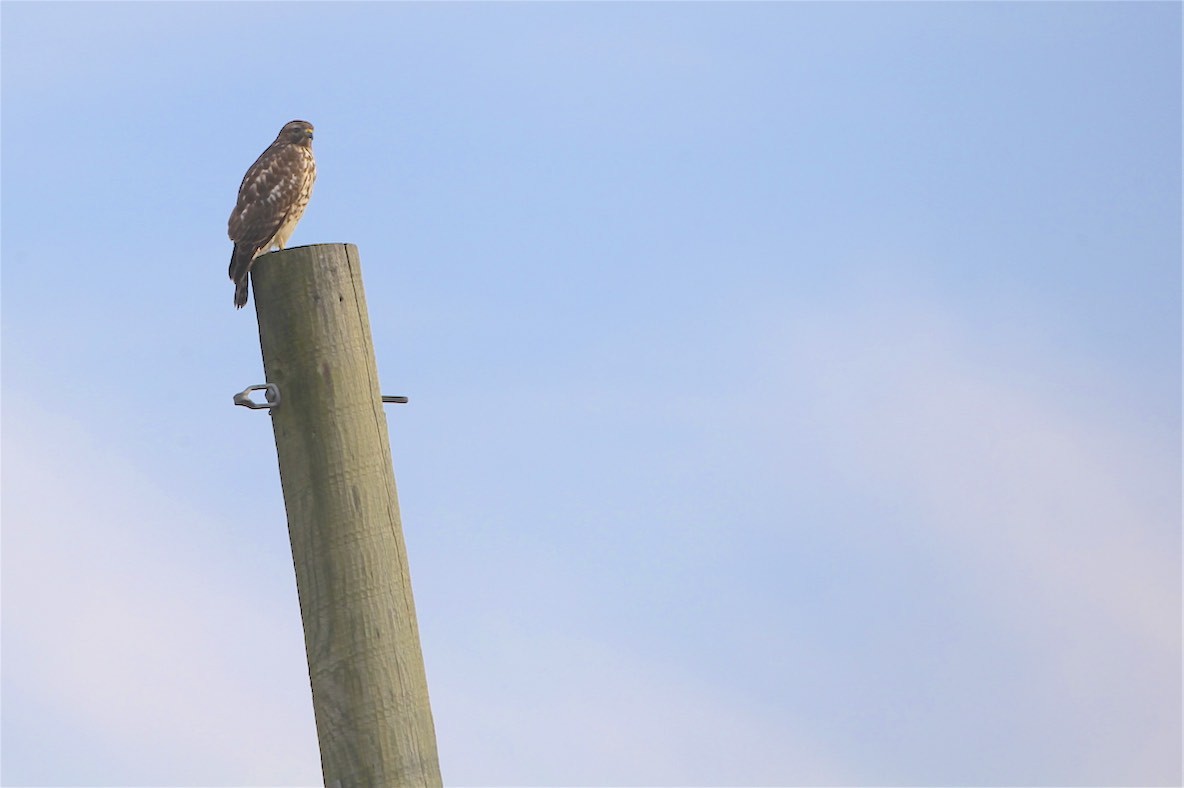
369 688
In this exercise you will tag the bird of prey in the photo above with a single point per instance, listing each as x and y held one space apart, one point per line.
271 200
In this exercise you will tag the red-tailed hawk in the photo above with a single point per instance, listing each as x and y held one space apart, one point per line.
271 199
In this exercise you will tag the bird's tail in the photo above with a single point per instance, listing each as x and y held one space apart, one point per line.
240 293
240 270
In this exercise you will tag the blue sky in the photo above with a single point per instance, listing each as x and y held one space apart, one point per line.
795 387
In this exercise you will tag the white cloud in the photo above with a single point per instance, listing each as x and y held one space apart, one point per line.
558 709
1065 515
911 400
122 621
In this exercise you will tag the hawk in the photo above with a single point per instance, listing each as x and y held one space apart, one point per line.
271 200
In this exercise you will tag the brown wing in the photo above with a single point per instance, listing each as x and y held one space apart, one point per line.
269 191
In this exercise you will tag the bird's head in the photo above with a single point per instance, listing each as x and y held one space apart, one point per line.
298 132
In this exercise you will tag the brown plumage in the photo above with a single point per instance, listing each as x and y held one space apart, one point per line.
271 200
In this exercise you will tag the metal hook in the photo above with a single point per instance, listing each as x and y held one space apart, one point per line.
270 391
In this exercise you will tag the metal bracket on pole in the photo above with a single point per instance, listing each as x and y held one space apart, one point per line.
271 393
390 398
